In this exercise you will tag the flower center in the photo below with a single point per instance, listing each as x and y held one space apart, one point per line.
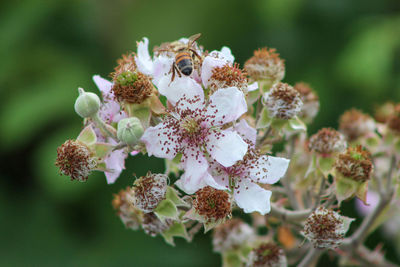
190 125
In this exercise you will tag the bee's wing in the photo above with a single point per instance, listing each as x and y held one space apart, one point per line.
193 39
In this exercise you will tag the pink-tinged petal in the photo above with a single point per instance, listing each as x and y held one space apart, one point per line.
227 105
196 172
268 169
226 147
181 86
252 87
250 197
227 54
161 67
143 59
222 180
245 131
115 162
104 87
134 153
160 141
110 111
372 200
209 63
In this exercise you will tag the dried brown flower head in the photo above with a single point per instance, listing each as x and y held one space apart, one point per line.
228 76
232 235
212 204
326 141
154 226
149 190
129 215
355 163
75 159
267 255
353 124
310 101
265 64
132 87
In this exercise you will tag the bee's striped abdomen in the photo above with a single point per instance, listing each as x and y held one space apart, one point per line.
183 61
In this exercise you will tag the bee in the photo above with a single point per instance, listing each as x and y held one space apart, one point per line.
184 57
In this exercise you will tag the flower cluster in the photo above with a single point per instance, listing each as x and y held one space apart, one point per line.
227 136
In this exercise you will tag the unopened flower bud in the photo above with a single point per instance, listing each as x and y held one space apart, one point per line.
265 64
282 101
132 86
154 226
150 190
130 130
310 102
326 228
232 235
327 141
212 204
228 76
355 164
353 124
87 104
267 255
129 215
75 159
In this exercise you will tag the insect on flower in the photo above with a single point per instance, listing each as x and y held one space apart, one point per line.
185 55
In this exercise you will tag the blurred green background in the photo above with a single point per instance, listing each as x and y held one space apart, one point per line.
349 51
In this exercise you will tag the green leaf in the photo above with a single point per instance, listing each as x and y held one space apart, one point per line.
264 120
87 136
166 209
231 259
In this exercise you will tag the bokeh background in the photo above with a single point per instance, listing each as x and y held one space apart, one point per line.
349 51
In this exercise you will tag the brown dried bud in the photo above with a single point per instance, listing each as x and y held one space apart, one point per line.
126 63
232 235
310 101
75 159
355 164
384 112
267 255
149 190
212 204
327 141
153 226
282 101
326 228
353 124
265 64
228 76
394 120
129 215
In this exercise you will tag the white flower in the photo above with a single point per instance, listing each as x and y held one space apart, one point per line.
194 129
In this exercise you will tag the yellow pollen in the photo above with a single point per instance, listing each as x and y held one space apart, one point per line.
190 125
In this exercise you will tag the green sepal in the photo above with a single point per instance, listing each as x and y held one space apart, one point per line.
140 111
102 149
173 196
295 124
231 259
102 167
166 209
345 188
87 136
253 96
325 164
265 120
176 230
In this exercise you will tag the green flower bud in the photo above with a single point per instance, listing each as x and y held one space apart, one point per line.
87 104
130 130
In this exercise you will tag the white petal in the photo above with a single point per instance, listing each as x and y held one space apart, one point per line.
245 131
104 86
251 197
161 67
196 172
143 59
226 147
160 141
252 87
116 163
269 169
184 86
226 105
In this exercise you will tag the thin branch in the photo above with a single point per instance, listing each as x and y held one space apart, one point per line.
289 215
285 180
265 136
321 190
312 256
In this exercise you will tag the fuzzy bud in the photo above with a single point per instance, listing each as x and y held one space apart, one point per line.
212 204
267 255
327 141
87 104
310 102
150 190
75 159
232 235
153 226
354 124
265 64
129 215
130 130
326 228
355 164
282 101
